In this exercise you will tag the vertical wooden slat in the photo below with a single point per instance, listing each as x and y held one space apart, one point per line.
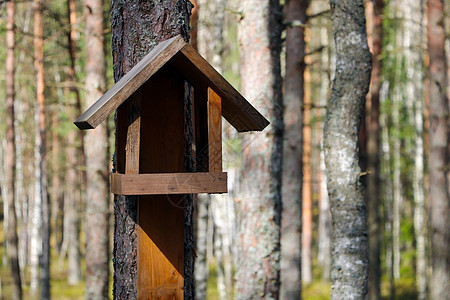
132 147
160 217
214 131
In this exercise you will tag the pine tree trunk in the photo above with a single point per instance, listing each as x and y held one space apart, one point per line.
439 156
348 210
307 197
74 183
44 212
260 208
373 150
291 225
10 153
136 29
97 201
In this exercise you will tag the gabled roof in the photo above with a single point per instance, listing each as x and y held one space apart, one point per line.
238 111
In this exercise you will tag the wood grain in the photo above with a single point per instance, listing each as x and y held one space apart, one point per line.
133 135
214 131
160 217
168 183
129 83
236 109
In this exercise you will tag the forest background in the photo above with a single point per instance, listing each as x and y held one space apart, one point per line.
54 74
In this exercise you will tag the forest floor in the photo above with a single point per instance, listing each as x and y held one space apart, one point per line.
61 290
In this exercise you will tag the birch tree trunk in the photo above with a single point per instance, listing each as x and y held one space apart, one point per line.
136 29
415 95
348 210
42 203
291 224
97 157
439 156
10 155
260 209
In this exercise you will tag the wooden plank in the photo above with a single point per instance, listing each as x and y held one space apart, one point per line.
161 245
129 83
214 131
132 147
168 183
236 109
160 217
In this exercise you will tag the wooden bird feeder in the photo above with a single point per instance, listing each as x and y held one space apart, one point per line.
150 150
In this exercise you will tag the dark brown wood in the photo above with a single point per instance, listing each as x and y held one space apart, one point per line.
168 183
130 82
238 111
200 117
160 257
214 131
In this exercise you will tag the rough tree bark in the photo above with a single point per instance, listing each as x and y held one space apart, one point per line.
348 210
97 201
41 177
373 152
10 155
291 225
137 27
439 156
260 209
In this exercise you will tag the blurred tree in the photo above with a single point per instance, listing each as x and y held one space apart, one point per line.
41 206
439 155
291 221
353 66
74 184
97 200
10 153
374 12
260 208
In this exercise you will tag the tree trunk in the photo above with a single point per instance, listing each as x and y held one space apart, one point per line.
439 156
291 225
373 150
97 201
260 209
136 29
10 153
307 196
388 193
348 210
74 183
201 262
324 226
415 96
41 145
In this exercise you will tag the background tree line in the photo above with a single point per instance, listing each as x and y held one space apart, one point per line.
57 218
